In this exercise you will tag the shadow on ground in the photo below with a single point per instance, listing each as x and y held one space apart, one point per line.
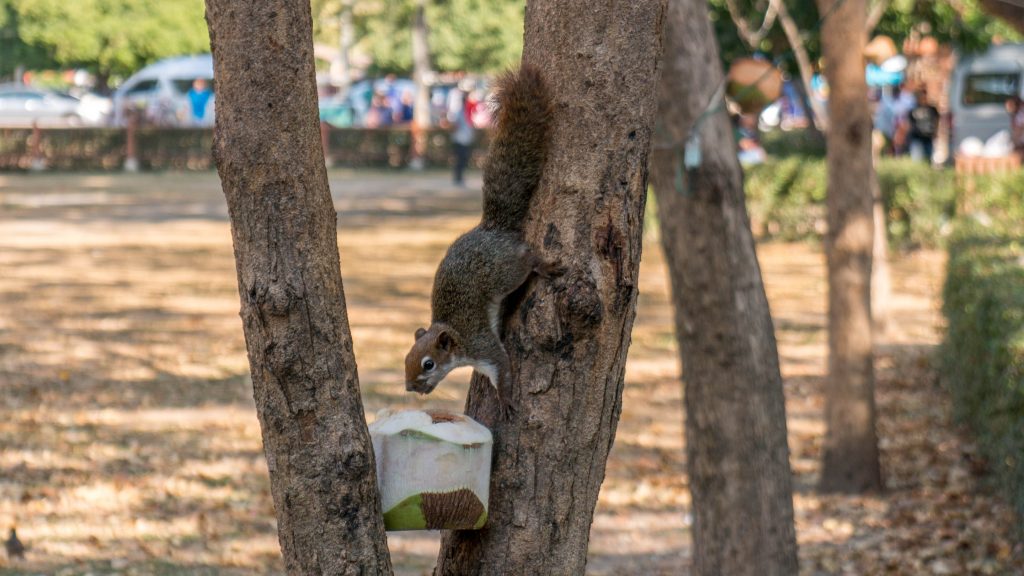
128 437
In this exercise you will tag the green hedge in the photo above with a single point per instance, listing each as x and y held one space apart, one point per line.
786 199
984 349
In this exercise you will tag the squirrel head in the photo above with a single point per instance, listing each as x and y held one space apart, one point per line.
431 358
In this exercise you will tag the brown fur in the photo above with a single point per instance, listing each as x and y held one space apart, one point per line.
489 262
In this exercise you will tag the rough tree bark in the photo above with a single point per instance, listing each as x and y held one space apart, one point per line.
737 452
271 165
850 456
567 337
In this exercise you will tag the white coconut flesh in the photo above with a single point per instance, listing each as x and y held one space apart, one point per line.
433 469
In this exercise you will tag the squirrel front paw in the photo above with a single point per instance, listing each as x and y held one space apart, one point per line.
548 269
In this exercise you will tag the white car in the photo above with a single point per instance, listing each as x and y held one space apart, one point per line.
160 92
979 89
22 105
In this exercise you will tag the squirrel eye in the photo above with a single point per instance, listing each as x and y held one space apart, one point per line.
428 364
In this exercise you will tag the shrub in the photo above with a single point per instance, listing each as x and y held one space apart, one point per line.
786 199
983 363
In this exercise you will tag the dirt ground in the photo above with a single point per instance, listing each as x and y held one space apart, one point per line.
129 442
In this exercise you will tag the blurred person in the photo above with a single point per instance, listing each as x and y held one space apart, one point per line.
199 97
903 103
884 120
748 140
380 114
460 118
923 120
406 108
1015 108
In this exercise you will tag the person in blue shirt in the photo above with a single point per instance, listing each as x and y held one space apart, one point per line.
199 97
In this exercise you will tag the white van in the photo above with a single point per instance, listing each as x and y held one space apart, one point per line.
160 91
979 89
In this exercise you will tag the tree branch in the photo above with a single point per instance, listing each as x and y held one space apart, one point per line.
878 9
752 39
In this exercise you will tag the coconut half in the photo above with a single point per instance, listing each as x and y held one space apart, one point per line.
433 469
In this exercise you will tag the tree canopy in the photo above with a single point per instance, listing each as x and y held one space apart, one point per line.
108 37
116 37
964 24
470 35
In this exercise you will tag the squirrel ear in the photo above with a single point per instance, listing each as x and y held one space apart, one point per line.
420 332
444 340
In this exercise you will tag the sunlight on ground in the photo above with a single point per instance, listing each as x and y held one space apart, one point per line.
128 437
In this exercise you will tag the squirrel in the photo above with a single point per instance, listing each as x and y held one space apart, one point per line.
492 260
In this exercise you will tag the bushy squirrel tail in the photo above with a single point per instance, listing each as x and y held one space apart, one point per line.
518 149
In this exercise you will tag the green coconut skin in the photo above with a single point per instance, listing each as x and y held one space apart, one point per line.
481 521
408 515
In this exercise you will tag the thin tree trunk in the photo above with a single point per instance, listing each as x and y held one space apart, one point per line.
346 37
567 337
420 73
818 116
752 38
268 153
850 456
878 8
737 452
881 278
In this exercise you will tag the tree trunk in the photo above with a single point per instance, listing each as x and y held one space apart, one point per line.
420 73
737 452
819 119
271 165
567 337
850 455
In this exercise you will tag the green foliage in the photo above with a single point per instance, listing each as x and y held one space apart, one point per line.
961 23
919 201
470 35
476 35
786 197
984 347
112 37
14 52
780 143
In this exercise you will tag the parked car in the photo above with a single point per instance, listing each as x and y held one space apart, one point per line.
159 92
22 105
980 87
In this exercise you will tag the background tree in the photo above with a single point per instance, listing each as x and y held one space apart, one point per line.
568 337
737 453
420 75
15 54
112 37
850 455
473 35
271 165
